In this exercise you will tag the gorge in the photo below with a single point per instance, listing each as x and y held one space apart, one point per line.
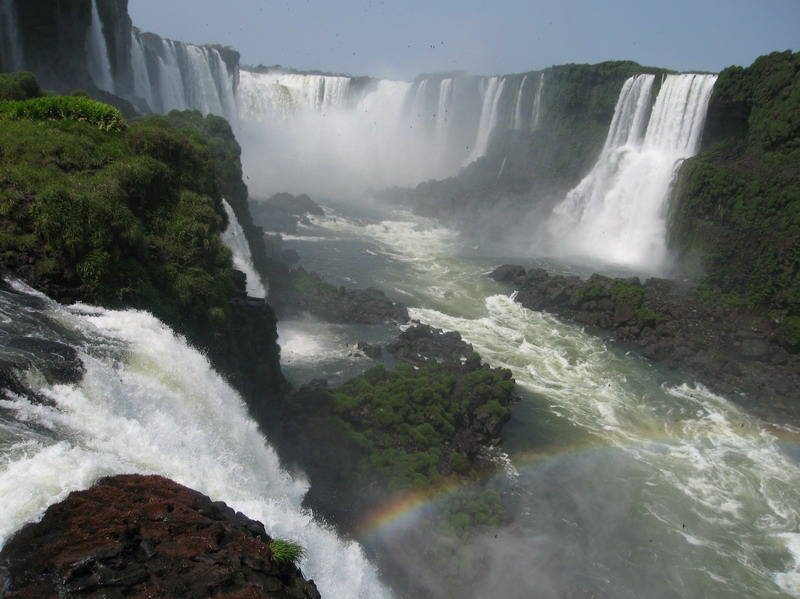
618 476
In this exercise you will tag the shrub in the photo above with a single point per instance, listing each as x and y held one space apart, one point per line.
77 108
286 552
19 86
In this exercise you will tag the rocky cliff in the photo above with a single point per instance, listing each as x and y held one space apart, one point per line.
147 536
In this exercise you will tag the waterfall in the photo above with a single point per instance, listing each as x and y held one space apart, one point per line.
491 99
234 238
171 87
97 53
518 105
149 403
279 96
536 115
10 49
443 109
327 135
141 76
617 212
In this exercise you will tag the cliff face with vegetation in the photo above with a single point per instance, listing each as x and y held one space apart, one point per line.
97 210
735 215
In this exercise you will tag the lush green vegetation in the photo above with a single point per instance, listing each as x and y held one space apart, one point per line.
735 218
124 215
468 510
19 86
592 295
75 108
286 552
405 421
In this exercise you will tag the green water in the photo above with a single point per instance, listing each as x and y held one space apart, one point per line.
630 480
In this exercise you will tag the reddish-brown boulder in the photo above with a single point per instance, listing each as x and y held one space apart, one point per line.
139 536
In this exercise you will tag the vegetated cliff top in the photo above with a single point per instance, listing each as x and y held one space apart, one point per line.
128 215
735 217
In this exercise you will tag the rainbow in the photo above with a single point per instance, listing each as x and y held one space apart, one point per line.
404 509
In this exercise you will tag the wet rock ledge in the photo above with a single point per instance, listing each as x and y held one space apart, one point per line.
138 536
731 350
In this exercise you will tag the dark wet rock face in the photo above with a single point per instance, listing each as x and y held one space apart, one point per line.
311 294
731 350
418 343
146 536
283 212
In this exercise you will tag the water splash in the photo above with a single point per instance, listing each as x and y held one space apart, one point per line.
488 120
234 238
617 212
150 403
97 53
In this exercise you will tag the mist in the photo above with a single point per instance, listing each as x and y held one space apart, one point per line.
336 137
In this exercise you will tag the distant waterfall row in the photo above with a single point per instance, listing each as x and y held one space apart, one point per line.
377 132
617 213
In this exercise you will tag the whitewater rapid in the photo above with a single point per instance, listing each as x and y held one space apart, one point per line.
632 478
150 403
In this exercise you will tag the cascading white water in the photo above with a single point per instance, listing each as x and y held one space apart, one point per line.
11 59
518 104
150 403
536 115
234 238
97 53
443 111
141 76
171 89
280 96
326 136
616 213
491 100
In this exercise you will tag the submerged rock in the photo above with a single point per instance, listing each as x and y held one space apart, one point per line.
146 536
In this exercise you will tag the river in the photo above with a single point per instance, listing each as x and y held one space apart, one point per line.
630 480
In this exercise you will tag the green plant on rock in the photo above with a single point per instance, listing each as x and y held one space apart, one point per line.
286 552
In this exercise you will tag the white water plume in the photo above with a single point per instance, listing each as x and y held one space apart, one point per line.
150 403
617 213
97 53
336 136
234 238
491 100
141 76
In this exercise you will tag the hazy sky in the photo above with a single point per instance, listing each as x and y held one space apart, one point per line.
400 39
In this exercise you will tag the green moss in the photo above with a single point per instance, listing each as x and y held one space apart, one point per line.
627 295
791 329
648 316
404 420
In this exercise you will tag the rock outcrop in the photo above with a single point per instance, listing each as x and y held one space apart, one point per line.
309 293
146 536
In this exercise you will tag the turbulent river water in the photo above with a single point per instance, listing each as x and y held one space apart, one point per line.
630 480
627 480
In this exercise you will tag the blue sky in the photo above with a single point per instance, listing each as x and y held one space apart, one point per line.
401 39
